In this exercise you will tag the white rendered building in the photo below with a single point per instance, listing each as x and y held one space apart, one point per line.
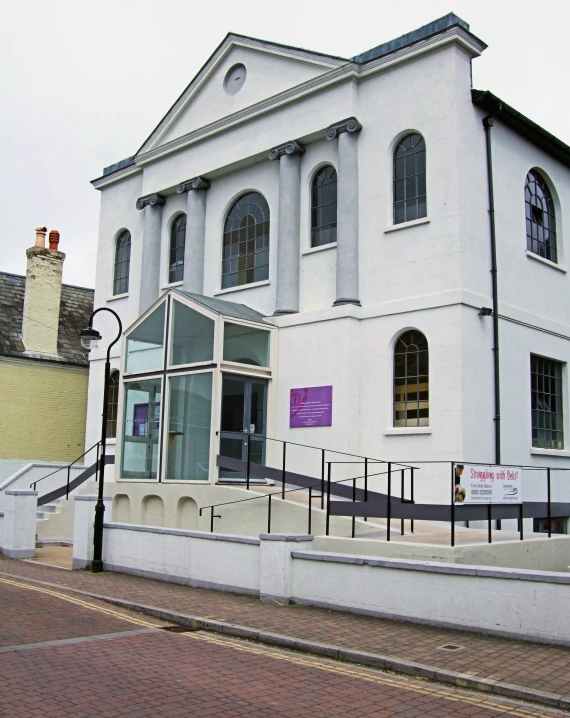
299 220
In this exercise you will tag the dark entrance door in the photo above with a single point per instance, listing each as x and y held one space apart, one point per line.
244 409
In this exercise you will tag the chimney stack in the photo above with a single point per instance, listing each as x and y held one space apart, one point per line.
40 323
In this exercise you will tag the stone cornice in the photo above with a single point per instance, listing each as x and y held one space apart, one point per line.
351 124
196 183
116 176
151 200
287 148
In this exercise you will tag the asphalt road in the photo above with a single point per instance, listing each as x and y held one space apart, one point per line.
64 655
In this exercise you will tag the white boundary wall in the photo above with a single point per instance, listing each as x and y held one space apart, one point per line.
532 605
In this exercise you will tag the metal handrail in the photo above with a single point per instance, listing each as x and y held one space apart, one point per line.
61 468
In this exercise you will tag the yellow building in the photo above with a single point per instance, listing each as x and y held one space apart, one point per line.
43 368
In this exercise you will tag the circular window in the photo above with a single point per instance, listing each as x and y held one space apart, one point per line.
235 77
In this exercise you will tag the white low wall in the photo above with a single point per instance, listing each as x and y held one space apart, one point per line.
522 604
533 605
25 477
195 558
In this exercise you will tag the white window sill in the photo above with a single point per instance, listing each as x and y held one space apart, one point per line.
229 290
532 255
549 452
405 225
405 430
117 296
321 248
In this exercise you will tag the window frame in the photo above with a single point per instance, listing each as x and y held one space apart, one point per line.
124 234
226 257
417 401
562 383
405 177
113 402
551 248
331 225
174 234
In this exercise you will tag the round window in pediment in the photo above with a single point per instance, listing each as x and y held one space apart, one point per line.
235 77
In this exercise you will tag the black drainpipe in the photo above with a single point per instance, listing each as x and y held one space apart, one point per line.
488 124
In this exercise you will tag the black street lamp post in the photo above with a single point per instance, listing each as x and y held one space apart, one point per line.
89 339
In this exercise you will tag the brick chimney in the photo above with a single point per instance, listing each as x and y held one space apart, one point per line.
43 294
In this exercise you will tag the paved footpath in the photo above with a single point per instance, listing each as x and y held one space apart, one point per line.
68 656
513 668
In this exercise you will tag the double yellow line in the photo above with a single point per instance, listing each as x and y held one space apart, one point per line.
403 683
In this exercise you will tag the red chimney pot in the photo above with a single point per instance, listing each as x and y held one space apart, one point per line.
53 239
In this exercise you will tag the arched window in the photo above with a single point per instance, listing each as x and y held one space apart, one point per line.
246 242
410 179
122 263
176 257
112 402
540 219
323 207
411 380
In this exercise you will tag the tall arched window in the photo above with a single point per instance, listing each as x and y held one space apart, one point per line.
411 380
122 263
323 207
112 402
410 179
540 218
176 256
246 242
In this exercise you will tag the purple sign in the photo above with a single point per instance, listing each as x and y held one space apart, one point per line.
311 406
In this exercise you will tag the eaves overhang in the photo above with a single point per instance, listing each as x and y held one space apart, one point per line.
523 126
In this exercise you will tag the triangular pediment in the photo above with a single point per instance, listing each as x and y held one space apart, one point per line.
261 70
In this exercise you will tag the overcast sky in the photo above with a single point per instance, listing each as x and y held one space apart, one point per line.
84 82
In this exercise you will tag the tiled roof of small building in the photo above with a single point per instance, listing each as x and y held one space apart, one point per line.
74 312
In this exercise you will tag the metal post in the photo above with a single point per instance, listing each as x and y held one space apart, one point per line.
521 522
97 469
269 515
248 460
549 505
388 506
328 498
67 486
412 496
211 519
402 501
353 500
365 482
283 470
310 507
489 533
322 479
453 503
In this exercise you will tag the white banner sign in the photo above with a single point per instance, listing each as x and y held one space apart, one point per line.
487 484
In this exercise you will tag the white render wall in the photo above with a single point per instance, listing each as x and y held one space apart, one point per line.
432 275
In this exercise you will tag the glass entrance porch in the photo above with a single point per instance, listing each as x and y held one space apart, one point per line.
188 359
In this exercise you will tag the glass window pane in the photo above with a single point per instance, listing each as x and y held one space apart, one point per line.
190 413
246 345
546 403
141 429
145 344
192 336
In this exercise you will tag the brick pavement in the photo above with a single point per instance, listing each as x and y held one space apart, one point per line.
528 665
156 674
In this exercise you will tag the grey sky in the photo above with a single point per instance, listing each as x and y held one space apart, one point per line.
84 82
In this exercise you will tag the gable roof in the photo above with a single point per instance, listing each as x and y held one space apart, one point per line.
329 62
74 312
223 307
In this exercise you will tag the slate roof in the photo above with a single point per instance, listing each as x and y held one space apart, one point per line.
75 308
225 308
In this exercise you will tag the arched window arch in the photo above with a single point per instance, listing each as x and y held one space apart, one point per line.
540 217
323 207
411 380
410 200
112 403
176 254
122 263
246 242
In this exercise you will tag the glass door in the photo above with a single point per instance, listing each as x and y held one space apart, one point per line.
244 409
